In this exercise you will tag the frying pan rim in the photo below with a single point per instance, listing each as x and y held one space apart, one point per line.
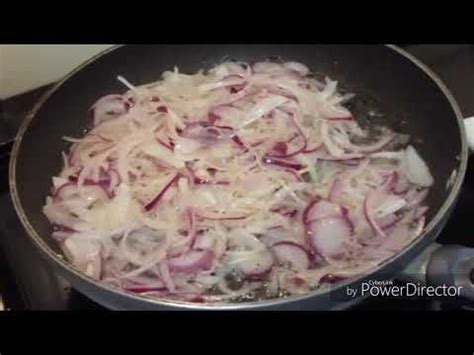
67 267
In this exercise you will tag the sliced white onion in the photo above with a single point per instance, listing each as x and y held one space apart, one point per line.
84 254
108 107
389 205
292 254
59 181
417 169
258 265
297 67
263 107
267 67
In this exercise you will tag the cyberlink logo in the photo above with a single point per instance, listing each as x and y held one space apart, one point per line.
385 288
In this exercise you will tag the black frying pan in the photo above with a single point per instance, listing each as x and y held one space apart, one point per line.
385 78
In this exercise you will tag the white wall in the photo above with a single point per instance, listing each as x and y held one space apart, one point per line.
25 67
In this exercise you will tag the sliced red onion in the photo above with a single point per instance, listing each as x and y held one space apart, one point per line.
390 182
192 232
282 163
114 181
193 261
415 197
402 186
258 267
306 218
234 89
285 211
139 284
150 205
314 148
293 254
369 212
322 209
281 150
397 238
108 180
388 221
164 144
297 176
91 193
213 117
143 289
329 236
332 279
346 215
224 112
62 232
166 276
337 189
58 182
60 236
308 208
63 228
206 133
238 141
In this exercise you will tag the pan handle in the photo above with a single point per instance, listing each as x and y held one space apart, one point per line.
469 128
443 265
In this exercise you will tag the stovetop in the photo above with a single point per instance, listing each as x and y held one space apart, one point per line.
27 282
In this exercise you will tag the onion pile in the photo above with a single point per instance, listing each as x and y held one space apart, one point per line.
232 184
